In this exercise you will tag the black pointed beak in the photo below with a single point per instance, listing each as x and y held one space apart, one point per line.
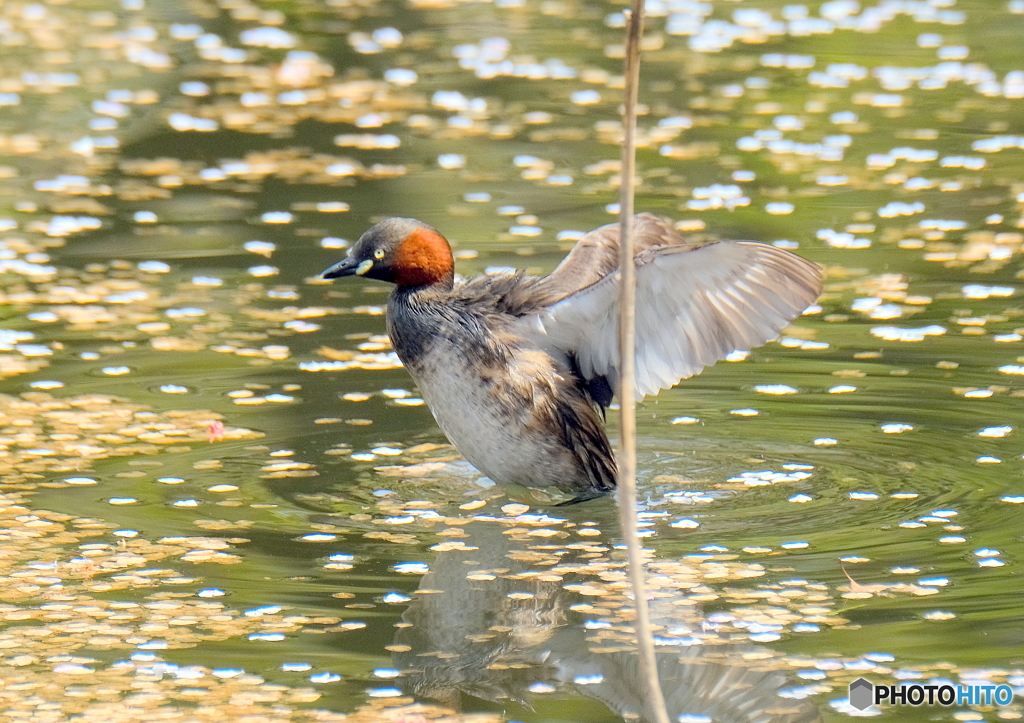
345 267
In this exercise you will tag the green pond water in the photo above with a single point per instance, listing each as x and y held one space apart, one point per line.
224 498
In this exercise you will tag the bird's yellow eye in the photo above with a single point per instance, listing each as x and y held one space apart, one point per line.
378 254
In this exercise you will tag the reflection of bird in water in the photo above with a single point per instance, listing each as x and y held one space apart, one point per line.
470 636
693 685
498 638
516 369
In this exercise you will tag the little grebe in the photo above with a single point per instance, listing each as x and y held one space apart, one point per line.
518 370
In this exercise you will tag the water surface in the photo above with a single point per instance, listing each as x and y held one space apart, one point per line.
223 497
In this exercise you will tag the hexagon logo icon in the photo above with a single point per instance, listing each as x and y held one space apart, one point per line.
862 693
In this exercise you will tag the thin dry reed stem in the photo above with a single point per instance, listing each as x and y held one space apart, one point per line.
627 397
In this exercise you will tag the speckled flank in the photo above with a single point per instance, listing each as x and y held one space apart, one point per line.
515 412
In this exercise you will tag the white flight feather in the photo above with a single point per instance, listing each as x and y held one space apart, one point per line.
694 307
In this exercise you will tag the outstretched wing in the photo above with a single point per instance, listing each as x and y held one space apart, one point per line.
597 254
695 304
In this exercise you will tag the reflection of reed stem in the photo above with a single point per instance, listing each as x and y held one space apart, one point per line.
627 395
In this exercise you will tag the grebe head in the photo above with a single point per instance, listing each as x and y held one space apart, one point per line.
403 251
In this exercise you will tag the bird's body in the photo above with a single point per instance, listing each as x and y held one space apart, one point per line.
514 410
517 369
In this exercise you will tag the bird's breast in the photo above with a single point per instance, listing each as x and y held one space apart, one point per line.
489 392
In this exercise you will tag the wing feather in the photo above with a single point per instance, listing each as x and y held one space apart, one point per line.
695 304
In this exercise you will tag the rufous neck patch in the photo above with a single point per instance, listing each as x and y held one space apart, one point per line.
423 258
